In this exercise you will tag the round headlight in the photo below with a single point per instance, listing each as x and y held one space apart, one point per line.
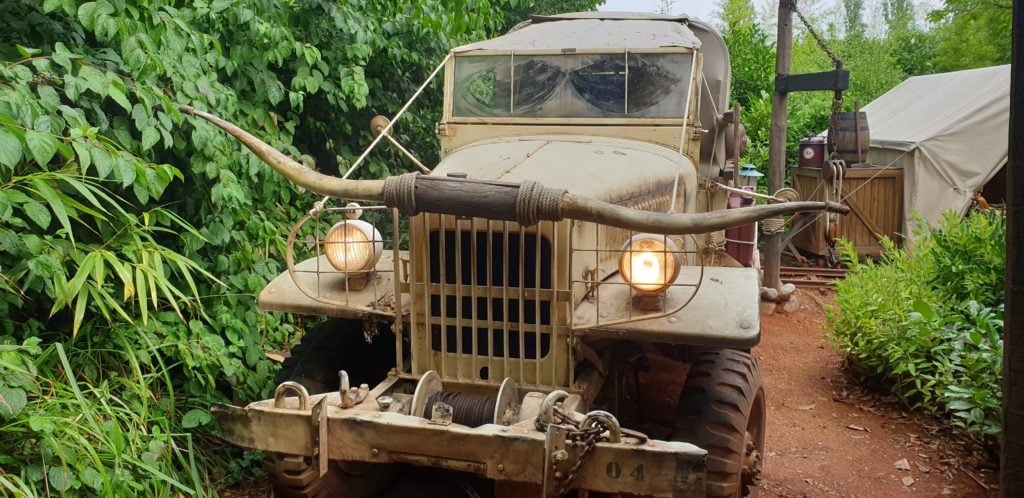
353 246
649 263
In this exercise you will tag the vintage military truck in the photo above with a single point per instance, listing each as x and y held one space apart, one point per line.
491 317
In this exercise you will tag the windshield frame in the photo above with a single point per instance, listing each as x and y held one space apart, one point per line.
449 89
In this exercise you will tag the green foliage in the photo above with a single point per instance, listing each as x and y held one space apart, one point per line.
139 241
972 33
104 426
517 11
929 327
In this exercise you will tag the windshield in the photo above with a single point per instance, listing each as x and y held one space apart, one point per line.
634 85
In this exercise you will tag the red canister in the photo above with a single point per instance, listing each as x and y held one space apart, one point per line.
812 152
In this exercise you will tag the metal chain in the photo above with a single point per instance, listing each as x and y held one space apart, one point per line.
837 102
587 437
833 122
817 38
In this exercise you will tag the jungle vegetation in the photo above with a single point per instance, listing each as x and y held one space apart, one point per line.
133 242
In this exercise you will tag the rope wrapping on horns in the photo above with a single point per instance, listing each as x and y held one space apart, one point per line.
536 202
400 193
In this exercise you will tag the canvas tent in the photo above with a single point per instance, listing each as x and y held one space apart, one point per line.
949 133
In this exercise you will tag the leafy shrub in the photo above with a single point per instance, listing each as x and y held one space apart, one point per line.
132 244
929 326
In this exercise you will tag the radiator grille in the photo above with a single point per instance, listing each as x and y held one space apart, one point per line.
485 294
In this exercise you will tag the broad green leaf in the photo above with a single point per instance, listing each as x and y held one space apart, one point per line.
86 14
141 192
196 417
48 97
51 5
37 213
12 401
62 56
10 148
92 478
5 207
42 146
118 96
83 155
219 5
93 79
125 170
45 266
61 478
27 51
150 136
41 423
103 162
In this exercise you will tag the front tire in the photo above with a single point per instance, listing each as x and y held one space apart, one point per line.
722 409
314 363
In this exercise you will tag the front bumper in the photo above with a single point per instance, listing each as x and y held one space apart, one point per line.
323 430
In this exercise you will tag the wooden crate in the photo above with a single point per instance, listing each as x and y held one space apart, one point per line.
875 197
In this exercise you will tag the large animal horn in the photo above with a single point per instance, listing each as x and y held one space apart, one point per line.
525 203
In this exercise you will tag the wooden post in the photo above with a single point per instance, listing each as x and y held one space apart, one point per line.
1012 457
777 140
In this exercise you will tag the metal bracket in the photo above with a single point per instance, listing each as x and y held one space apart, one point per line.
556 458
318 419
836 80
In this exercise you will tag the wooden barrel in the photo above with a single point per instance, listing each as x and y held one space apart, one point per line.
852 136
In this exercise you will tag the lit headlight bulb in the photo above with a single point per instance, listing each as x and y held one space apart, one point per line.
649 263
353 246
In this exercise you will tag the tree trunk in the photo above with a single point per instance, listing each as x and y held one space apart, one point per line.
777 140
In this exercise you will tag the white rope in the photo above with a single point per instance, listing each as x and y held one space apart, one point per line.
872 177
391 123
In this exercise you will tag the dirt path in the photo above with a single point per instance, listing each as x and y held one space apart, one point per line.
827 439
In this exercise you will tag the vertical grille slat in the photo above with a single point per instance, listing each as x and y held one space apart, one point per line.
442 274
522 284
537 305
458 298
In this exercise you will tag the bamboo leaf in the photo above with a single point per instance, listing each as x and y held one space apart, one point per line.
83 299
56 204
140 284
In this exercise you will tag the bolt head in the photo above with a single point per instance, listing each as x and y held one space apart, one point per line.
501 467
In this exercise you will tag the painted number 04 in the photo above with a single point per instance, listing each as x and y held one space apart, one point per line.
614 470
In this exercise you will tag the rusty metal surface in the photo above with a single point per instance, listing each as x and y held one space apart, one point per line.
724 313
517 453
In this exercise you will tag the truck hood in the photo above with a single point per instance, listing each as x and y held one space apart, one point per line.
603 168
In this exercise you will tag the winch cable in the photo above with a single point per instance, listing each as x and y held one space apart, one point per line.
469 409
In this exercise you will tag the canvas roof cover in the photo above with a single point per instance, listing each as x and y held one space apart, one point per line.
948 131
598 30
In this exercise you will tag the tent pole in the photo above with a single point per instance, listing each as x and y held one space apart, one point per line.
777 137
1012 450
